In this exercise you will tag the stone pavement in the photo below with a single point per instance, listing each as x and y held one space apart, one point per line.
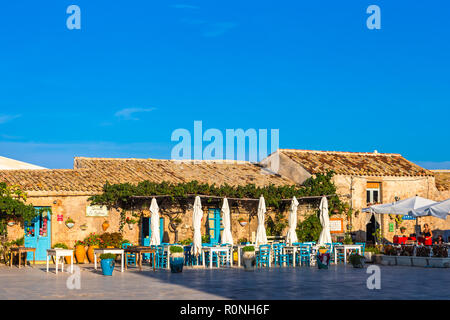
339 282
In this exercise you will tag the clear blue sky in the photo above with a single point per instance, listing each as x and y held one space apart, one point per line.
310 69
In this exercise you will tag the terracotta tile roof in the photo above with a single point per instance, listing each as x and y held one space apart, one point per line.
355 163
442 178
90 174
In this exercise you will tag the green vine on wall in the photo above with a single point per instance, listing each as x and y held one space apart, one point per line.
12 206
119 196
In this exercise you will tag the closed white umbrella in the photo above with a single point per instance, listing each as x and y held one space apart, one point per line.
261 237
291 236
197 223
227 237
325 235
154 223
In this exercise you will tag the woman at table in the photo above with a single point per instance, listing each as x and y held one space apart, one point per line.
426 233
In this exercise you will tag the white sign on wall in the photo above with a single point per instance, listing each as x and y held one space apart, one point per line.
96 211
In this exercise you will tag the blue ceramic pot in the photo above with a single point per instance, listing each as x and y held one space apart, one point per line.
176 264
107 266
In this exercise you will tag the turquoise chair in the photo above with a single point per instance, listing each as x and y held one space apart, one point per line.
161 257
130 258
263 257
363 247
340 255
304 254
279 257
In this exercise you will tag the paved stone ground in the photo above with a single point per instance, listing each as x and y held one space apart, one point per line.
339 282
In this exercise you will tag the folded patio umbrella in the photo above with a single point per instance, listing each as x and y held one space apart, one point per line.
154 223
261 237
401 207
291 236
227 237
325 235
438 210
197 224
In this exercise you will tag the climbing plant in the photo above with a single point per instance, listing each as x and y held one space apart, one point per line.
119 196
12 206
309 229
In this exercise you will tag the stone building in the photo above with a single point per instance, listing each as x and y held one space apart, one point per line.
361 178
66 192
368 178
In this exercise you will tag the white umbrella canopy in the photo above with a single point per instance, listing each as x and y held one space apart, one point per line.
401 207
227 237
154 223
261 237
325 235
197 224
291 236
438 210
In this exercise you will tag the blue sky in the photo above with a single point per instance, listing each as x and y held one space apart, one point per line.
137 70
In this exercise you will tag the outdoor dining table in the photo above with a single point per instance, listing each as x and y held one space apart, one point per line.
19 251
139 251
58 254
345 247
217 249
109 250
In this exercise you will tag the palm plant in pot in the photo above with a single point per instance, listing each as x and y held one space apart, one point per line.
107 263
249 257
176 259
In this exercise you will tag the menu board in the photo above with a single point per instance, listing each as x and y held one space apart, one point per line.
96 211
336 225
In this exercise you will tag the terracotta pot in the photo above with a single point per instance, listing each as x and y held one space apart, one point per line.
90 253
68 259
80 254
105 226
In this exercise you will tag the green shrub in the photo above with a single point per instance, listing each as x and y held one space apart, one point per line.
186 242
205 238
309 229
248 249
176 249
61 246
374 250
107 256
111 240
356 259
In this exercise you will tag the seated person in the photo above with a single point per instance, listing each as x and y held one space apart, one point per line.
426 233
439 240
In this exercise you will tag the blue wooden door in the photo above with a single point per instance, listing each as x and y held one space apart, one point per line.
214 225
38 234
146 233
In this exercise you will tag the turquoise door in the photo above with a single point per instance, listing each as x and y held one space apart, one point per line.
38 234
214 225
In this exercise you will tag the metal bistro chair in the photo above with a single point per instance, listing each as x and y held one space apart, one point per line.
130 258
263 257
279 257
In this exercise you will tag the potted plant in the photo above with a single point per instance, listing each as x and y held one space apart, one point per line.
323 250
131 222
105 225
402 230
80 251
93 241
357 260
70 223
249 257
107 263
176 259
242 222
11 222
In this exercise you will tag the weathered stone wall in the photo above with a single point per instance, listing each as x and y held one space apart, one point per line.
75 208
391 187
